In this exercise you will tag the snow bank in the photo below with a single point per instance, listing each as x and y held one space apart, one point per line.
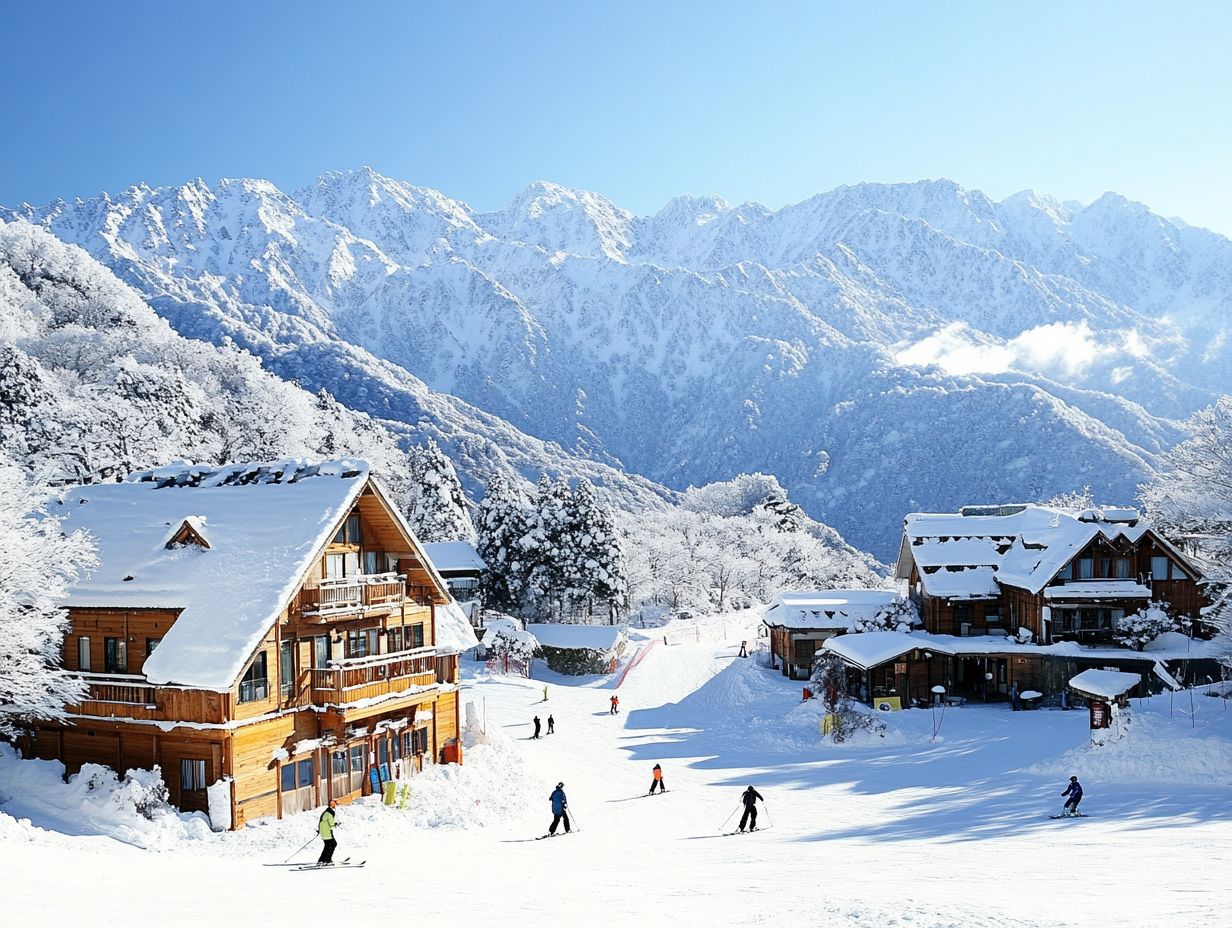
34 799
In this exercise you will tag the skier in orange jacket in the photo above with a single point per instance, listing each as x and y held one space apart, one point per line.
615 701
657 781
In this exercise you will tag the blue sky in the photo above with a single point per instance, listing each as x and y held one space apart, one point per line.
640 101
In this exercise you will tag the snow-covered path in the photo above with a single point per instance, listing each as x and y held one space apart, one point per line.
897 831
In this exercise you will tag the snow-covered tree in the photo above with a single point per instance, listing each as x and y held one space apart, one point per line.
1191 495
785 515
899 615
500 528
37 562
1144 626
545 546
593 554
439 510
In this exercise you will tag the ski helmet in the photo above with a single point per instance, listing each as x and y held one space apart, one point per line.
560 785
1073 779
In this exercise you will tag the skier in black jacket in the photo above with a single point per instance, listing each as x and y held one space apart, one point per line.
1074 792
536 734
749 798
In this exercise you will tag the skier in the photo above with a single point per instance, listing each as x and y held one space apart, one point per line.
560 808
1074 792
325 828
657 780
615 705
749 798
1014 704
537 726
545 692
744 649
551 725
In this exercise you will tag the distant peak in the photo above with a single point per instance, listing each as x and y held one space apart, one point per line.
694 207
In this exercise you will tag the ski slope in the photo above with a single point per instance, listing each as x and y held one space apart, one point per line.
897 830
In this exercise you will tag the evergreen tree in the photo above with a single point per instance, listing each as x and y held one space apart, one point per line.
37 563
594 558
439 510
782 512
501 524
545 546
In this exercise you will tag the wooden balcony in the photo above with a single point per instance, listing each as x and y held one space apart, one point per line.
349 681
360 595
131 696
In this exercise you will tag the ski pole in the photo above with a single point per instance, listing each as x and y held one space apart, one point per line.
574 819
306 843
729 818
766 809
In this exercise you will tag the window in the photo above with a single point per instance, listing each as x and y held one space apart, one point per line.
1121 568
992 614
151 644
395 640
1086 568
286 668
255 683
372 562
382 751
83 653
416 635
420 740
115 655
338 763
334 565
1066 572
396 744
408 743
321 651
1159 568
288 778
362 643
304 773
1105 567
348 532
192 774
357 758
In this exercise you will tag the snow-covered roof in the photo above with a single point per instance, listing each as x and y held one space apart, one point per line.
869 649
830 609
1034 542
591 637
265 524
449 556
1107 684
1097 589
454 633
966 583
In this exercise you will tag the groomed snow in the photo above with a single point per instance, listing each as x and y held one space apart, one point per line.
263 536
929 831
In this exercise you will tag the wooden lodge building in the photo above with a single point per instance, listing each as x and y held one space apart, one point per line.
272 636
798 624
1025 597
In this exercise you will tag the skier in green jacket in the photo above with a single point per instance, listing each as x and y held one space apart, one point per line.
325 828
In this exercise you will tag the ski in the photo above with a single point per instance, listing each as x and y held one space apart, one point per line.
1078 815
346 860
561 835
747 831
337 866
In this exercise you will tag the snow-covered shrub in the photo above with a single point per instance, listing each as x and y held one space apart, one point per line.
1144 626
845 717
899 615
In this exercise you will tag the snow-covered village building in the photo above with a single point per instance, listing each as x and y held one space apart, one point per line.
461 567
799 623
1011 599
271 636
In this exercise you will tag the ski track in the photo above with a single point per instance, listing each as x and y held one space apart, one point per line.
854 837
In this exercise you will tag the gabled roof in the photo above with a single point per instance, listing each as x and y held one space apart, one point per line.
827 609
871 649
266 524
588 637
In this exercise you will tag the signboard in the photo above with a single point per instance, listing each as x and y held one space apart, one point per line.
1101 715
374 780
887 703
900 667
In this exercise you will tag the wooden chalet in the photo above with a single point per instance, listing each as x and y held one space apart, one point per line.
799 623
1027 595
461 567
272 636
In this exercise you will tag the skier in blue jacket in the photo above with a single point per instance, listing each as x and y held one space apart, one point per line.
560 808
1074 792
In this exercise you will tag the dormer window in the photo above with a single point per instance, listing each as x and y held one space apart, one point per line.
191 532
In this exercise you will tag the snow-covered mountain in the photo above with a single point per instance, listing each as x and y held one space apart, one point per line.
879 348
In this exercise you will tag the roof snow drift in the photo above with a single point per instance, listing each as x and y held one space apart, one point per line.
590 637
264 522
1107 684
449 556
454 633
836 609
870 649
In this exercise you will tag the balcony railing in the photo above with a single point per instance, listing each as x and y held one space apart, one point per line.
118 689
358 678
361 593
